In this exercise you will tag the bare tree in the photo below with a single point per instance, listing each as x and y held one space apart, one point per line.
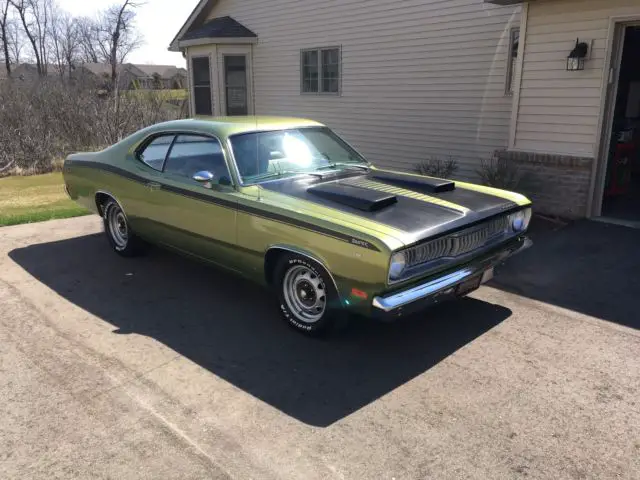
118 35
34 16
71 41
16 41
54 34
22 8
4 34
41 12
88 32
65 41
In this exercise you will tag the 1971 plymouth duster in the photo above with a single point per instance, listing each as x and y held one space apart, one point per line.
289 203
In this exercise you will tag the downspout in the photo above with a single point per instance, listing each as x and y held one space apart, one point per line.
515 106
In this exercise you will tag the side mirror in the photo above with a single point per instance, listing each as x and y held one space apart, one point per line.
203 176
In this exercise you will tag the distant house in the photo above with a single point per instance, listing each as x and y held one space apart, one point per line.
167 76
130 76
134 76
25 71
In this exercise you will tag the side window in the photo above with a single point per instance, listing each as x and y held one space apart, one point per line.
195 153
156 151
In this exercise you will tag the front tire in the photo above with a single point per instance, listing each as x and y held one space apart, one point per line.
308 299
118 231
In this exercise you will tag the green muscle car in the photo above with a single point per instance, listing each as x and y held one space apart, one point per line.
290 204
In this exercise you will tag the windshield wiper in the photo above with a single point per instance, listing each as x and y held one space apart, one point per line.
268 175
344 164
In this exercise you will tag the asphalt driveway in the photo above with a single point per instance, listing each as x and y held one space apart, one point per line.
162 368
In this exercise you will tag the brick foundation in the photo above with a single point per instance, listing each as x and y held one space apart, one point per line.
557 184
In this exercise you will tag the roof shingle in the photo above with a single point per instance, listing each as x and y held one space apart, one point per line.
222 27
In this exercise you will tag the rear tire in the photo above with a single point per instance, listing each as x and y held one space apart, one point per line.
118 231
308 298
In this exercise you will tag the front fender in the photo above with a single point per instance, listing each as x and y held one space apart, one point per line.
343 281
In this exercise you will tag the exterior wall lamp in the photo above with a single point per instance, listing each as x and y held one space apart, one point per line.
575 60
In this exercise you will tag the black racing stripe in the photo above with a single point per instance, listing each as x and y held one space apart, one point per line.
419 218
308 226
270 216
228 204
107 168
360 198
478 202
407 214
198 196
422 184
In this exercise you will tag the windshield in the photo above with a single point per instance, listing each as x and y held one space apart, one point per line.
264 155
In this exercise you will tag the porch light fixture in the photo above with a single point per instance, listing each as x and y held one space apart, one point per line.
575 60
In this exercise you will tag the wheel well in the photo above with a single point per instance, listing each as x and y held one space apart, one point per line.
271 261
101 199
273 256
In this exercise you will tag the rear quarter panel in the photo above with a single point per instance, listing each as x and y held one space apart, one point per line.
85 174
81 183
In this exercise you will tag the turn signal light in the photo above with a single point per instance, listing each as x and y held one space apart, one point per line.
359 293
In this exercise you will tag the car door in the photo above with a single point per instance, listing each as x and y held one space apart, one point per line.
197 217
139 198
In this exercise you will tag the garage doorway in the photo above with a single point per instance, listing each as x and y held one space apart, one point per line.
621 193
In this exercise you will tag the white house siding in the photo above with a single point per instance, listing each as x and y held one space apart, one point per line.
420 78
559 111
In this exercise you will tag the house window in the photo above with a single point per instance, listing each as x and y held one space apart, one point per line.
201 85
235 80
320 70
514 40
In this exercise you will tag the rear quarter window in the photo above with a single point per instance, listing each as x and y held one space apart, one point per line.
155 152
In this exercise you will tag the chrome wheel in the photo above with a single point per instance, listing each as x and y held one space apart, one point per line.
117 224
305 294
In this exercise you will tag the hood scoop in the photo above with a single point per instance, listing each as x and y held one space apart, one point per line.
356 197
412 182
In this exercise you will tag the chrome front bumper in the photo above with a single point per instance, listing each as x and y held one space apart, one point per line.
445 284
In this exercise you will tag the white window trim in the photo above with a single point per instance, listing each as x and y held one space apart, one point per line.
221 52
319 50
193 85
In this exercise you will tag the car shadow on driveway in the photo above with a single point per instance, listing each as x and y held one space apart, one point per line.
588 267
233 329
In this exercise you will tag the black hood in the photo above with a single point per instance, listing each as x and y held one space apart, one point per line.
363 199
422 207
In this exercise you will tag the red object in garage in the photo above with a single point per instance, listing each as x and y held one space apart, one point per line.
620 169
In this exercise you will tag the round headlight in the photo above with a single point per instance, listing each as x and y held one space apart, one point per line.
517 222
520 220
397 265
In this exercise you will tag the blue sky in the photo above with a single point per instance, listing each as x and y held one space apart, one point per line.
158 21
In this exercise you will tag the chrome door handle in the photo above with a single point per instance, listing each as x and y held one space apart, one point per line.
153 186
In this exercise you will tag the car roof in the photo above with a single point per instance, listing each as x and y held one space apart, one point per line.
224 127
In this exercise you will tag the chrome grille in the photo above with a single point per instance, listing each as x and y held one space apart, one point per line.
458 243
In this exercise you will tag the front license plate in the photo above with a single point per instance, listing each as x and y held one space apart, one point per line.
469 286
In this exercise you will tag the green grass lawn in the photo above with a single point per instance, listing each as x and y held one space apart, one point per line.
166 95
35 198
